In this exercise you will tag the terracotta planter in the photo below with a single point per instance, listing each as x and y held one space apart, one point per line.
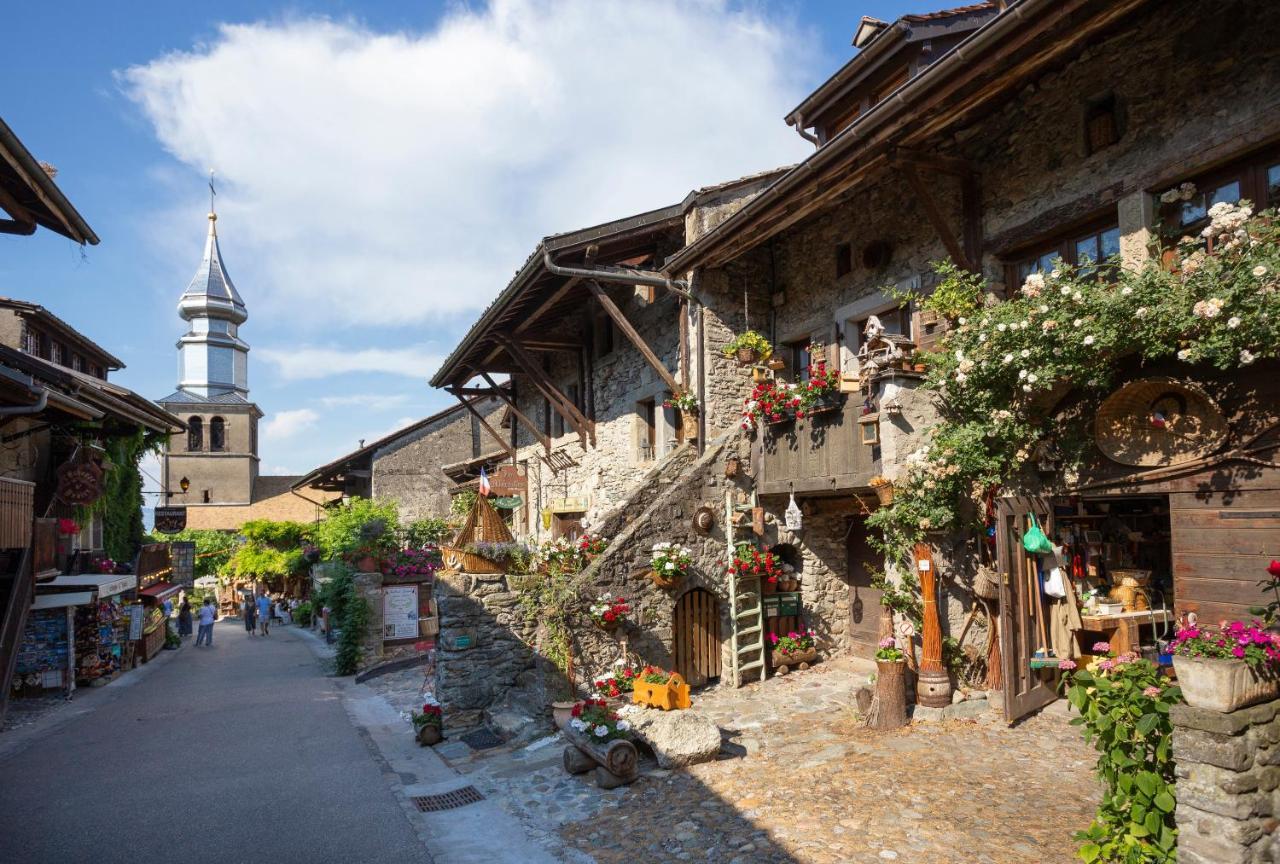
768 587
662 580
429 735
884 492
562 713
1223 685
747 356
367 564
670 696
917 367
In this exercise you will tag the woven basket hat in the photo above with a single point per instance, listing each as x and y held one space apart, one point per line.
1158 422
483 525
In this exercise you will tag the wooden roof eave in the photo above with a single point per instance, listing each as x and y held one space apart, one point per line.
973 77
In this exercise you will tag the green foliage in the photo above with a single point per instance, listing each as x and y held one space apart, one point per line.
1124 711
279 535
462 502
303 614
213 548
749 339
352 619
426 532
343 532
960 293
121 501
266 563
902 597
997 367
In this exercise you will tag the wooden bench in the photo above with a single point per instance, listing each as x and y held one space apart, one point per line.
615 762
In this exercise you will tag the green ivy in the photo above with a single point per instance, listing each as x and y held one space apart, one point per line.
1125 714
213 548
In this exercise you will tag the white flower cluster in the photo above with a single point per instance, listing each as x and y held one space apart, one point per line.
1185 192
670 557
1210 308
1226 223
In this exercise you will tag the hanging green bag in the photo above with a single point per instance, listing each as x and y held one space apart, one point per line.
1035 541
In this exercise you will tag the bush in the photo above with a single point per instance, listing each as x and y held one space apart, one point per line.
303 614
425 532
343 531
1124 709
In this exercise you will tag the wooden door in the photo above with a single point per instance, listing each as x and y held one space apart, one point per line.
864 600
1025 690
697 636
567 525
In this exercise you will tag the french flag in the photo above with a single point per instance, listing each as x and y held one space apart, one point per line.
484 483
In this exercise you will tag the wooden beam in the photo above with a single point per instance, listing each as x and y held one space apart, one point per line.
935 217
551 345
502 442
556 297
565 408
625 326
933 161
472 391
23 222
511 403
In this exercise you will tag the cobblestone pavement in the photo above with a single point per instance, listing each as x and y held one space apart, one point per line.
801 780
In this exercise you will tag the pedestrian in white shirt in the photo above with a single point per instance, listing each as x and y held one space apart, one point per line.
208 615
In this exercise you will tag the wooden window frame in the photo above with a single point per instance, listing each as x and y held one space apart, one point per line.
1250 171
647 442
1061 243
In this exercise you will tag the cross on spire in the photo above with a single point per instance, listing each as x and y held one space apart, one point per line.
213 193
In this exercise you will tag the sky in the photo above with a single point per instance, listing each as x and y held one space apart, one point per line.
383 168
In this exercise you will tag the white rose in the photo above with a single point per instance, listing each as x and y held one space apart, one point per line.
1026 388
1077 296
1247 357
1066 290
670 565
1008 358
1141 312
1260 270
963 321
1088 340
1025 353
1022 373
623 725
1002 327
1031 378
601 731
1233 322
1126 291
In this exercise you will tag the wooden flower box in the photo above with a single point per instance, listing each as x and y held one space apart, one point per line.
670 696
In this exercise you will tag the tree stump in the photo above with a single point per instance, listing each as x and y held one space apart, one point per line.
890 708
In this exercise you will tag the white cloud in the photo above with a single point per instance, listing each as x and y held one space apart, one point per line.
392 178
364 400
288 423
309 362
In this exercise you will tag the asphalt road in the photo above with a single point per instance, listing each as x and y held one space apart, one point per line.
238 753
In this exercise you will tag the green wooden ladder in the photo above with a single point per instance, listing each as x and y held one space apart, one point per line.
745 611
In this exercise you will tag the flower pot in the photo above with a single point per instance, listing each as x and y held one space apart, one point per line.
429 735
562 713
884 492
670 696
826 403
1223 685
689 424
917 367
609 626
769 587
664 580
367 564
781 659
747 356
777 364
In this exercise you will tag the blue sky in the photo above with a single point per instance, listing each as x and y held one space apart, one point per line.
383 168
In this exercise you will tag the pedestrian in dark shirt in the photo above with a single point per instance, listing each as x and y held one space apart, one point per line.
184 619
250 615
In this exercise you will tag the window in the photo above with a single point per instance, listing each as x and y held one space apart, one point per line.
797 356
1195 211
55 352
844 259
77 362
195 434
1273 186
1101 124
603 334
217 435
207 497
1255 179
1083 249
647 441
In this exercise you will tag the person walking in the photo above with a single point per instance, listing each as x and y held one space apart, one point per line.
250 614
264 613
184 618
208 615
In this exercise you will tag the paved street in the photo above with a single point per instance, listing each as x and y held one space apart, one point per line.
242 752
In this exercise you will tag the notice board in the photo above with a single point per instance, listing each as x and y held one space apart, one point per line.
400 612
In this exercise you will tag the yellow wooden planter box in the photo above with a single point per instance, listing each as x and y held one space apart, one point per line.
674 694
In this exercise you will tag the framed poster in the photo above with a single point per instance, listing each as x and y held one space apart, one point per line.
400 612
135 613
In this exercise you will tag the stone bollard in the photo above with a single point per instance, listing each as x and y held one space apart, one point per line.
1228 771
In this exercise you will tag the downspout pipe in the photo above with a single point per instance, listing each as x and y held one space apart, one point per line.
676 286
19 410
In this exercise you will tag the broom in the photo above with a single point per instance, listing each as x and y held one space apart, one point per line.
1043 658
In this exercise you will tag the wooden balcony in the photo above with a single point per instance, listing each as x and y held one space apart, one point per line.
823 453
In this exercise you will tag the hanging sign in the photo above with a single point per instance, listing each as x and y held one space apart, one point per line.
400 612
793 518
136 613
171 520
79 483
506 503
507 481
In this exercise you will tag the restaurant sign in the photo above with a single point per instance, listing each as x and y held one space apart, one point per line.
171 520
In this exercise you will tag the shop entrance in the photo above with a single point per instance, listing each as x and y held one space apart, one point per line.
1114 558
864 599
697 636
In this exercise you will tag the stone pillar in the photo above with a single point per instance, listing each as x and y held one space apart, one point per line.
369 589
1137 218
1228 770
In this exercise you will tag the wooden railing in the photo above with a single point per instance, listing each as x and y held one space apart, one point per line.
17 500
823 453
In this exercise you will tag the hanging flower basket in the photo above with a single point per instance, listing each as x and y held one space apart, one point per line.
883 489
666 580
747 356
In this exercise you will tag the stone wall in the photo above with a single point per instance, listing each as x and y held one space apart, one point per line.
407 469
1228 771
501 659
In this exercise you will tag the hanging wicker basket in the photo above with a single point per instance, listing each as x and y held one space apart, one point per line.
664 581
483 525
986 584
747 356
884 492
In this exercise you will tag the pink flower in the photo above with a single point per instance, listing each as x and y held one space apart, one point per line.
1106 665
1066 665
1151 692
1102 647
1238 651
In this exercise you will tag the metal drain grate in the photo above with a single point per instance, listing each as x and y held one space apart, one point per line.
448 800
481 739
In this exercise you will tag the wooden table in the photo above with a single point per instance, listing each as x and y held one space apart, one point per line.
1122 629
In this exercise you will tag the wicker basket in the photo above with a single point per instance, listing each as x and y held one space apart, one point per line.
884 492
747 356
663 581
459 561
986 583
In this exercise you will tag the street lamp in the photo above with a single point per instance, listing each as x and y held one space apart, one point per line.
184 484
